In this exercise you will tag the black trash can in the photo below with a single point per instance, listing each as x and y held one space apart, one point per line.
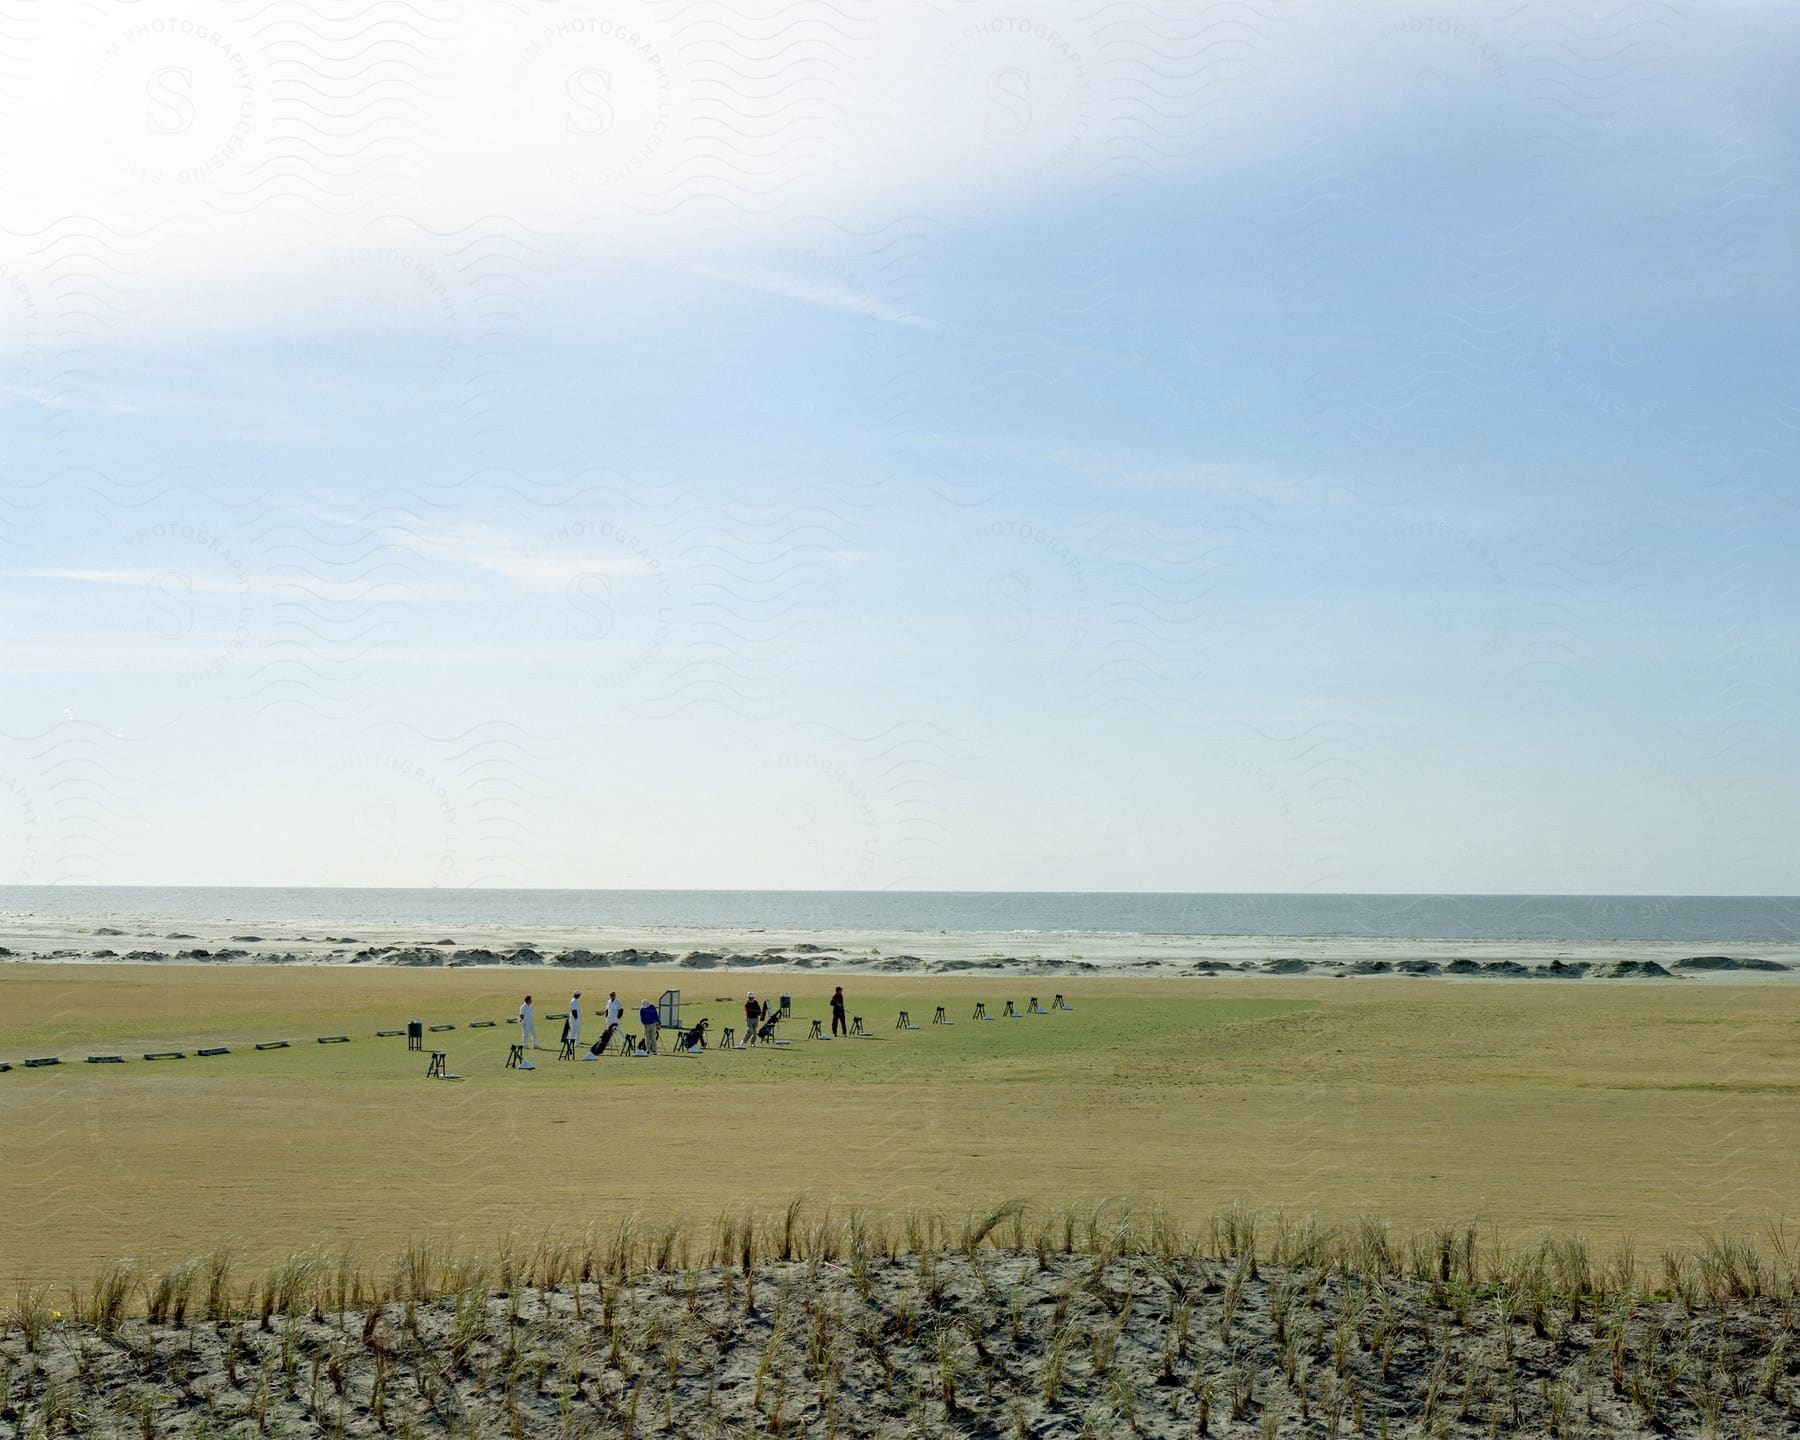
415 1034
787 1004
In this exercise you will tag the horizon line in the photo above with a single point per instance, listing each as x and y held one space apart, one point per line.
784 890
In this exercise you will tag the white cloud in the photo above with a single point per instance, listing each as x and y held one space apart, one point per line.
200 584
534 565
823 292
56 400
377 168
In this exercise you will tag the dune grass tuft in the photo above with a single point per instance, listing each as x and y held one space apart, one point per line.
822 1320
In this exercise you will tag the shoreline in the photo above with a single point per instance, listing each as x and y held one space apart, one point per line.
706 950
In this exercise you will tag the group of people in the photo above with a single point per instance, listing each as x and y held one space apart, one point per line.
759 1024
648 1017
759 1018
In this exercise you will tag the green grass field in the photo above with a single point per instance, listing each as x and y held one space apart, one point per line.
1656 1111
1030 1044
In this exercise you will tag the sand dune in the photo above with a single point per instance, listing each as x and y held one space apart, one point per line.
847 1337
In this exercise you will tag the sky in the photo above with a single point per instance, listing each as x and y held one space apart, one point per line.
1340 447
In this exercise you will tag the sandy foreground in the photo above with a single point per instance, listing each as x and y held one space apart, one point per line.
866 951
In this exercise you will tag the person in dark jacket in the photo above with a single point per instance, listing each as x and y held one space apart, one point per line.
838 1025
752 1018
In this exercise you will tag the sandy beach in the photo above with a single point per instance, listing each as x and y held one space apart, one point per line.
25 938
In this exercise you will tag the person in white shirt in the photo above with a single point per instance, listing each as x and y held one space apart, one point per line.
615 1008
528 1025
575 1018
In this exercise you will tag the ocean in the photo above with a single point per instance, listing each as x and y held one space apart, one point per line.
1724 920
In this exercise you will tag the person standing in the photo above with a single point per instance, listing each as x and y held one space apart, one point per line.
838 1026
575 1018
752 1017
528 1025
652 1021
615 1009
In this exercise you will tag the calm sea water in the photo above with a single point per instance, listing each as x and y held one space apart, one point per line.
1713 919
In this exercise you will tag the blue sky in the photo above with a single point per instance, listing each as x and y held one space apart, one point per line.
959 447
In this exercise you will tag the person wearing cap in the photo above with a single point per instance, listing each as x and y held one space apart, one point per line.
575 1018
652 1023
752 1018
615 1009
838 1025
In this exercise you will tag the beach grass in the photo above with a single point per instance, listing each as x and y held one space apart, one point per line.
1009 1318
1649 1112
